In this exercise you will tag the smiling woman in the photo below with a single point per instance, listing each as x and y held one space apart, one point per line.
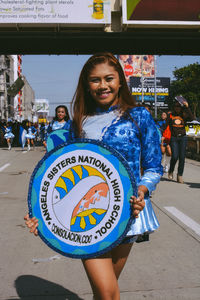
104 110
104 84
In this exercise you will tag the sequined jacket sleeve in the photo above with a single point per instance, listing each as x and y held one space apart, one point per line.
150 151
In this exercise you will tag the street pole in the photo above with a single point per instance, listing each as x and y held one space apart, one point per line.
142 80
155 94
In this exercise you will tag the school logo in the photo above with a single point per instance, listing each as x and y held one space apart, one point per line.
80 194
83 193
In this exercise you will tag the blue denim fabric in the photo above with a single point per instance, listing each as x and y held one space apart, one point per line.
178 147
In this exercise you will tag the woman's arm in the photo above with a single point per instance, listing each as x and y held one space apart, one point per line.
187 114
150 153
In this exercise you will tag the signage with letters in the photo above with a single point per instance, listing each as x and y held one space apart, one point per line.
80 194
55 11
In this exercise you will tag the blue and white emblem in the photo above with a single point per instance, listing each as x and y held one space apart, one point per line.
80 194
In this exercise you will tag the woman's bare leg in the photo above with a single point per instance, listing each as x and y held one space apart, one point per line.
102 277
119 257
104 271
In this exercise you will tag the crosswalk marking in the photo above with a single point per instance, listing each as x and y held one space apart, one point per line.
4 167
184 219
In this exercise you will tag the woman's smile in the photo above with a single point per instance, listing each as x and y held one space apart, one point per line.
104 85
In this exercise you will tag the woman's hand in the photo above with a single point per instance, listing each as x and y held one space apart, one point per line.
31 223
138 203
185 103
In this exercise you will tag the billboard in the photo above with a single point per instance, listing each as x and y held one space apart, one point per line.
137 65
55 11
161 12
42 106
147 87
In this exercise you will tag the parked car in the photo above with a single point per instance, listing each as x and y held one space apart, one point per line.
193 128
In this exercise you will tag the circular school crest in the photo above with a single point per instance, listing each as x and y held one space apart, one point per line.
80 194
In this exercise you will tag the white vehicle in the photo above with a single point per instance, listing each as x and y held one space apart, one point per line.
193 128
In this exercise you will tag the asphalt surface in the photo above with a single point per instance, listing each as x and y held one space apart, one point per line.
166 267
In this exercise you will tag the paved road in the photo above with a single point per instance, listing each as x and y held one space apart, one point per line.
167 267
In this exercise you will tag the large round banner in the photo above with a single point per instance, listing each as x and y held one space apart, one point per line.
80 194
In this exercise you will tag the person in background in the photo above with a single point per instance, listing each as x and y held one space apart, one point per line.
43 132
36 125
30 136
60 121
176 121
104 110
9 136
2 132
165 143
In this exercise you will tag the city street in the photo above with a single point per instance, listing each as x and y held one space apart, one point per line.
167 267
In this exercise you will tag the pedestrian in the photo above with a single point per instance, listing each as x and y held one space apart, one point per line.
2 132
60 121
103 109
30 136
9 136
42 133
165 141
176 121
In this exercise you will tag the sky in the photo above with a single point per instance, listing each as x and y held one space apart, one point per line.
55 77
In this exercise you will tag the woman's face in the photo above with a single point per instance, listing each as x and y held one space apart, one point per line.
61 113
164 116
177 108
104 84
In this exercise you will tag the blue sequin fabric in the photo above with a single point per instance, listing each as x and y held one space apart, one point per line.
134 135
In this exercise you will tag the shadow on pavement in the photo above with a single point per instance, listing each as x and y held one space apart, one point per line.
166 179
194 185
30 287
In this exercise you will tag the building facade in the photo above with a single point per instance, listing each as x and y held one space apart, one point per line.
17 97
27 99
7 109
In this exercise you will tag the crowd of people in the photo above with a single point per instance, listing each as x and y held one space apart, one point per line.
173 139
29 134
21 134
